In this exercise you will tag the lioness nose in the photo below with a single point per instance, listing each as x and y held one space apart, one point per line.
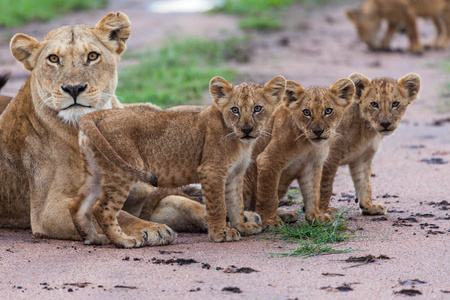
318 132
74 90
247 130
385 124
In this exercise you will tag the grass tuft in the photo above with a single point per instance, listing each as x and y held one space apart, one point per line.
19 12
180 71
315 239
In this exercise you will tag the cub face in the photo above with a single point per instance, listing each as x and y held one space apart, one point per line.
367 26
317 111
246 108
75 67
384 101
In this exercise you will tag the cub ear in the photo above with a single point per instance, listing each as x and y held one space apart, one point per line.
411 83
293 92
26 50
113 31
361 82
275 88
352 15
220 90
344 90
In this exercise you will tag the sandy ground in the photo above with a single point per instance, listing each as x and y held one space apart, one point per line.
322 47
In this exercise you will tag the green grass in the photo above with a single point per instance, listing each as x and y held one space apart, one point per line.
180 71
316 239
291 197
19 12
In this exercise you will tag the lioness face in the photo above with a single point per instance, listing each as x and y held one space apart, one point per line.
384 101
317 111
246 108
367 26
74 70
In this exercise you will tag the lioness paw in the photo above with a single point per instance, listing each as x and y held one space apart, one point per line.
288 216
227 235
249 228
375 209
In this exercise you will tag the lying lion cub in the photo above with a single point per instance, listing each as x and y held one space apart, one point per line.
212 147
380 106
368 17
295 147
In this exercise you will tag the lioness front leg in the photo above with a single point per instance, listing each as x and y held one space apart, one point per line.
235 206
309 181
213 184
360 172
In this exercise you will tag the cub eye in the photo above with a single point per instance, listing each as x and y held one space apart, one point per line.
235 110
328 111
307 112
93 56
257 109
374 104
53 59
395 104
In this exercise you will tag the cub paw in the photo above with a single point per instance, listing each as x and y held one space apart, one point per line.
318 217
330 210
249 228
417 49
375 209
288 216
272 223
251 216
227 235
156 235
97 239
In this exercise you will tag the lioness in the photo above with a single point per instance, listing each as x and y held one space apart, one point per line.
73 72
4 101
380 106
368 17
212 146
295 147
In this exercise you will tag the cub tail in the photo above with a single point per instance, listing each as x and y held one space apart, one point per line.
89 127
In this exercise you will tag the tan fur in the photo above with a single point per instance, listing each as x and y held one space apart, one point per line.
361 131
41 165
212 147
368 17
295 147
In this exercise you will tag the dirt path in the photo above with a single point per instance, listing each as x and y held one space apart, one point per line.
322 49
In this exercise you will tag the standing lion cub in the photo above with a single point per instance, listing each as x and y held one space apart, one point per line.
212 147
380 106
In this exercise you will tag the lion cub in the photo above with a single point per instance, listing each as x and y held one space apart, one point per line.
295 146
380 106
368 17
212 147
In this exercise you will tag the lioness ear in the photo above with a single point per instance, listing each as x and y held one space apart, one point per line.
361 82
352 14
25 49
411 83
113 31
293 92
344 89
220 90
275 88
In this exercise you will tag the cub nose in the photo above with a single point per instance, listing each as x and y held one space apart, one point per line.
385 124
246 130
74 90
318 132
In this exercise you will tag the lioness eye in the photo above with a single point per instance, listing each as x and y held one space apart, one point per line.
53 58
374 104
395 104
235 110
93 56
328 111
257 109
307 112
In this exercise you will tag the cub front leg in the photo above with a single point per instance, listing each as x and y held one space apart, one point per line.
213 181
326 186
234 201
309 182
360 172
